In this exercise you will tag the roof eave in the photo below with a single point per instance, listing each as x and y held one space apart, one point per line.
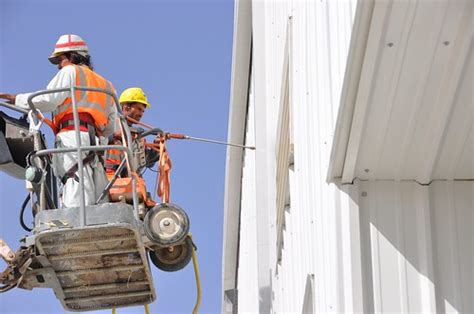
355 60
241 58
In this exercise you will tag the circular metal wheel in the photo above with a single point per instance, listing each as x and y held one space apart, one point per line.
166 224
173 258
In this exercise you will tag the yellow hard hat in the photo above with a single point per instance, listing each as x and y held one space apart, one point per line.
134 94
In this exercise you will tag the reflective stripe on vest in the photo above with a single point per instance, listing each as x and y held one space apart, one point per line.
97 104
113 157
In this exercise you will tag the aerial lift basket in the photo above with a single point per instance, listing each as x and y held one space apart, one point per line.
92 256
100 265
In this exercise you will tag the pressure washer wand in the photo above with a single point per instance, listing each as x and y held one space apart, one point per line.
186 137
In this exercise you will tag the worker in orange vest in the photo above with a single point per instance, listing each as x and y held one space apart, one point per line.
96 114
134 102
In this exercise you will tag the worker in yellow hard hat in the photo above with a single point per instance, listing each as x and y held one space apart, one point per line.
134 103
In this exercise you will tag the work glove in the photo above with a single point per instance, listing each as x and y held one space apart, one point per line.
9 97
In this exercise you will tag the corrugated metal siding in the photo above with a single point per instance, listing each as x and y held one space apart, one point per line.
453 250
392 246
417 245
284 150
316 76
320 41
269 24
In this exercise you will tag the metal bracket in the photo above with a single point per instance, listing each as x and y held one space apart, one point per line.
18 264
5 252
35 123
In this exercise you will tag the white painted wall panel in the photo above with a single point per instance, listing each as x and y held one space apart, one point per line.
320 42
247 279
418 245
453 218
320 37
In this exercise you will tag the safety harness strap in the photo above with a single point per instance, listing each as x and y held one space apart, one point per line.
69 123
71 173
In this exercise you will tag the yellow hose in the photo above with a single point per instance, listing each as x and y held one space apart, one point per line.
198 280
114 310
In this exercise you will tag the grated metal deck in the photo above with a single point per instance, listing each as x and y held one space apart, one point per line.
99 266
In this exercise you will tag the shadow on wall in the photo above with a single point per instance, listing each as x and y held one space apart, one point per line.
416 251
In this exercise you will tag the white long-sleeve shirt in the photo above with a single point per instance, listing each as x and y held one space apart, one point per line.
66 77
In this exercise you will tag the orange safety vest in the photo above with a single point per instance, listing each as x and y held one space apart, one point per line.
113 158
96 104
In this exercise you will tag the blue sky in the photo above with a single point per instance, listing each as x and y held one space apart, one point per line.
179 52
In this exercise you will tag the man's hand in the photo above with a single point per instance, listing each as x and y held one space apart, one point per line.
9 97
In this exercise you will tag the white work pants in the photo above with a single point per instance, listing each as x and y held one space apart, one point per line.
95 179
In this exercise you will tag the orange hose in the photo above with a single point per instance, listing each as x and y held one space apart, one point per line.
176 136
164 167
48 122
163 189
139 123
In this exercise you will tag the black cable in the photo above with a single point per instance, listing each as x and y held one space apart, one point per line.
155 131
22 212
49 199
6 288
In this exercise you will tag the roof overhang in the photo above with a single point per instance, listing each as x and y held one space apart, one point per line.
407 108
237 116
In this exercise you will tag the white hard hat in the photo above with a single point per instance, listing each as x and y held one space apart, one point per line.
68 42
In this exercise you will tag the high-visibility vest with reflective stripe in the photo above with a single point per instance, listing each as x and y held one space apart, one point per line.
113 158
97 104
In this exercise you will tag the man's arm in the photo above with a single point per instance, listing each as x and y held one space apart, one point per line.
112 117
49 102
10 98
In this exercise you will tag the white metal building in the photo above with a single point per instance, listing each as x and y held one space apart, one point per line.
360 194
